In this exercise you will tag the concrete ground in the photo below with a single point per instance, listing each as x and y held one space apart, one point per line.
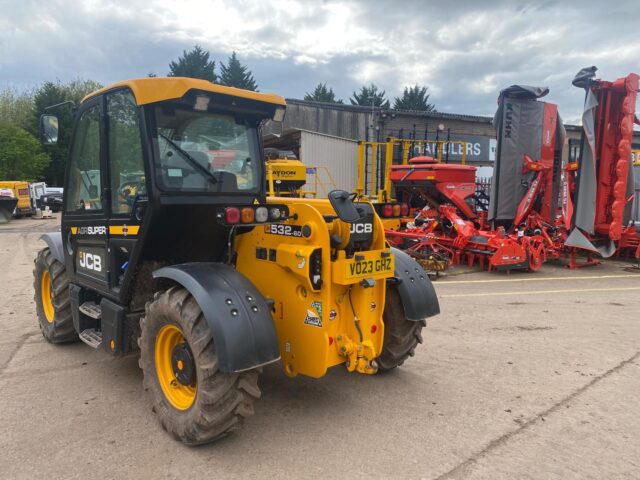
521 376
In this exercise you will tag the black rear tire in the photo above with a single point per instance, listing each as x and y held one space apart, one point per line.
222 400
60 328
401 336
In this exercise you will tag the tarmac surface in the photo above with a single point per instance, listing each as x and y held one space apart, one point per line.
526 376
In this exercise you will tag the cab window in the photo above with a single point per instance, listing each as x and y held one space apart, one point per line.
126 166
85 180
200 151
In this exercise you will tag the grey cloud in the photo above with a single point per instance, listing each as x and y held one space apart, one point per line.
466 51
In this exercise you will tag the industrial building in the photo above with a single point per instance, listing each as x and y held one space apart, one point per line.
326 135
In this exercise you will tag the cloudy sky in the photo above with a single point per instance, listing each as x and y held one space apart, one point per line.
465 50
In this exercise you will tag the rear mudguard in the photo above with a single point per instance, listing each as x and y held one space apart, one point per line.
418 296
54 242
236 312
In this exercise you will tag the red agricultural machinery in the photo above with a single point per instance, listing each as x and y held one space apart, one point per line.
540 206
605 175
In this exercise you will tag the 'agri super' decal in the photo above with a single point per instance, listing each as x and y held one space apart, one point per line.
90 230
123 230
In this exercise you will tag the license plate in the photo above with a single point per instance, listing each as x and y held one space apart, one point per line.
369 267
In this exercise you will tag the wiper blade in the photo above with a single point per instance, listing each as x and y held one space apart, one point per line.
192 161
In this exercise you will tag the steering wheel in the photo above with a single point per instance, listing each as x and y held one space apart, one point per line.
129 191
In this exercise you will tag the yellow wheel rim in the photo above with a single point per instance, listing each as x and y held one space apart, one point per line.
46 294
179 396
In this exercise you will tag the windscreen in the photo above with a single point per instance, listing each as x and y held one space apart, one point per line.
200 151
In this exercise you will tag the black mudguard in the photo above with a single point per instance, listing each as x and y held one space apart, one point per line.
237 313
414 286
54 242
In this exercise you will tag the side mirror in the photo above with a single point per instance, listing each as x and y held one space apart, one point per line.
48 129
342 203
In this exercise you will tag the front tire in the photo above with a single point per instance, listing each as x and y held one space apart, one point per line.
401 336
194 400
53 306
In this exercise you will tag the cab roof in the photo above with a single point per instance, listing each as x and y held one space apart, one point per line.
156 89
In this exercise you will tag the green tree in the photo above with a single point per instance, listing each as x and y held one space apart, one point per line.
21 156
369 96
48 94
234 74
15 107
195 64
51 93
322 94
414 98
79 88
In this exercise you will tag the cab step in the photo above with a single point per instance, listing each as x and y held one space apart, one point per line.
91 337
90 309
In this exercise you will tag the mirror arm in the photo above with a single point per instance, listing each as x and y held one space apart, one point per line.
71 103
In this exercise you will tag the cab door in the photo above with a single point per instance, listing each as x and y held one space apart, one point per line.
84 223
127 185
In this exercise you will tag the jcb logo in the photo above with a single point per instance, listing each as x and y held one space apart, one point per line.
90 261
361 227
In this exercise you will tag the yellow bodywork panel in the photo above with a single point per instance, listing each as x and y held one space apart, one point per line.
316 325
157 89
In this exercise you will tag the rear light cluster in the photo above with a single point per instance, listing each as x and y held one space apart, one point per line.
391 210
252 215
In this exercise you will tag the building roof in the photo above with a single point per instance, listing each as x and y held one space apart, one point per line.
156 89
418 113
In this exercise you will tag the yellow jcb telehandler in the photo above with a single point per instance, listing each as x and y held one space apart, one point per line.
169 245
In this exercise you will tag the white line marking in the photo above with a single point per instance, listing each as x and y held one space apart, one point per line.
537 292
534 279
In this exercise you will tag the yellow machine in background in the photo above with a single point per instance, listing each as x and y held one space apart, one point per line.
287 176
21 192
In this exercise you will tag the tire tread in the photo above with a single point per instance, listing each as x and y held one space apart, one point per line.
223 400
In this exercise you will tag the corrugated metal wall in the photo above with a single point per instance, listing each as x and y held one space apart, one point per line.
339 121
337 155
406 121
349 121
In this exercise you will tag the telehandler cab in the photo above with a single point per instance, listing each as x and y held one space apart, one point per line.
170 245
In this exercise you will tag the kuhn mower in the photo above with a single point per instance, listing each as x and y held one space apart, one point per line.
604 177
